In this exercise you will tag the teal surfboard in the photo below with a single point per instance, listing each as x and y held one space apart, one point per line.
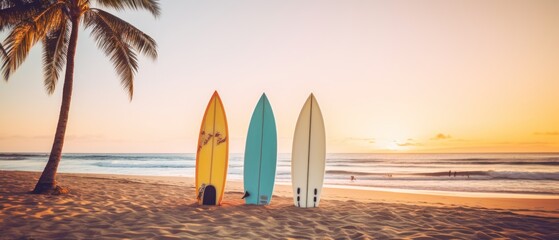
260 155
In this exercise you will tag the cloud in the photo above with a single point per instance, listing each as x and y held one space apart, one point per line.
409 143
86 137
354 139
21 137
441 136
551 133
521 143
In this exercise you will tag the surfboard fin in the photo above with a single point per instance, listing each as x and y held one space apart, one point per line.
315 192
246 195
298 198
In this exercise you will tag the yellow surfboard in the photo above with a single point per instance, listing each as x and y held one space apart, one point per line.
212 154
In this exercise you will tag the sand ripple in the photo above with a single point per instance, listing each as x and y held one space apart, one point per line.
105 208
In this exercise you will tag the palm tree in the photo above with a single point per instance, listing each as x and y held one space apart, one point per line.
56 23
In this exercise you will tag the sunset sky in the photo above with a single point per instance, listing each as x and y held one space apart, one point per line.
390 76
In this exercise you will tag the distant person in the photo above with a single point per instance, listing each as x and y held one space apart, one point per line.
353 178
454 173
449 173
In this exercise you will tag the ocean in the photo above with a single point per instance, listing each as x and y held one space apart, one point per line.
535 174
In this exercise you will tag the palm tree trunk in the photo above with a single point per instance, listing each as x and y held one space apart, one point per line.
47 182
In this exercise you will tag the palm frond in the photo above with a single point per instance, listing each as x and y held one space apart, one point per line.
18 44
113 43
3 53
14 11
151 5
55 49
27 33
142 42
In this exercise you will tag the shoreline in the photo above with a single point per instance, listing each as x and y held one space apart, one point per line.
449 193
110 206
361 187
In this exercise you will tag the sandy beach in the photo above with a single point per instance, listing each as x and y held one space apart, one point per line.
102 206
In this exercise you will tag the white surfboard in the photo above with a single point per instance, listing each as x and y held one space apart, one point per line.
308 156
